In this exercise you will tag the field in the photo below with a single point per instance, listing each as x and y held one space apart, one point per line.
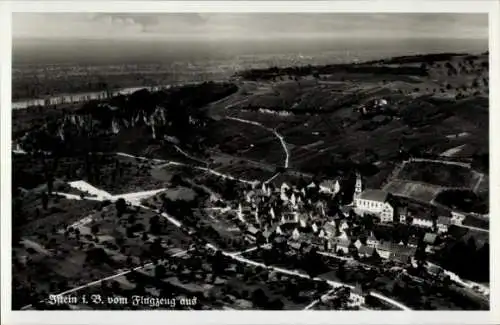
419 191
31 219
248 141
112 173
440 174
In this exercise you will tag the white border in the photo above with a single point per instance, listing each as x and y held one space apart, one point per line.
240 317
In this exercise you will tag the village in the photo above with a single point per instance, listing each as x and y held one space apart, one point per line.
314 215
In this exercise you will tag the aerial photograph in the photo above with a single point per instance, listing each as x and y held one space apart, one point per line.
250 161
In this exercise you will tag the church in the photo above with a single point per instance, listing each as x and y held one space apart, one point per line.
373 201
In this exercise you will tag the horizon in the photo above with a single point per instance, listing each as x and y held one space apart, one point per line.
247 26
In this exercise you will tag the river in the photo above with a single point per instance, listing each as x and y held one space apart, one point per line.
86 96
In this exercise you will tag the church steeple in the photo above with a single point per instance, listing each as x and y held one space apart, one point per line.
358 188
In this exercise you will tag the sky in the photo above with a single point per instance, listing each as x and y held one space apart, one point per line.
125 26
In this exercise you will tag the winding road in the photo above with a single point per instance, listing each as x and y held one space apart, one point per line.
129 197
279 136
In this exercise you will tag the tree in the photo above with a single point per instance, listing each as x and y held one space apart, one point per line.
420 256
276 304
260 239
341 271
130 232
160 271
259 298
154 225
121 207
94 229
45 200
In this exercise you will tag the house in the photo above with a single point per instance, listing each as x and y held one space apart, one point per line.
344 226
402 214
372 241
312 185
430 238
294 245
413 241
365 251
358 244
442 224
423 220
375 201
330 228
401 253
329 186
396 252
384 250
457 218
387 214
284 187
341 244
252 230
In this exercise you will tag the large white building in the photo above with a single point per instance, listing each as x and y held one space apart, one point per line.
375 201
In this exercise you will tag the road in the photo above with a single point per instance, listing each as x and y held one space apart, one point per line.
185 154
232 255
175 163
279 136
315 302
102 195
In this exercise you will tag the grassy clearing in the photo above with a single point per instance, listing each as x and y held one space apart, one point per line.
417 191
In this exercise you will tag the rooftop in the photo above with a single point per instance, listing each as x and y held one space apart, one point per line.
366 250
430 238
374 195
328 183
423 216
443 221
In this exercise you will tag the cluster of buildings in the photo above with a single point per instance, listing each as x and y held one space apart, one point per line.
378 203
300 215
269 209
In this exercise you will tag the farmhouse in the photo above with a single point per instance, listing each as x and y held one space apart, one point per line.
443 223
375 201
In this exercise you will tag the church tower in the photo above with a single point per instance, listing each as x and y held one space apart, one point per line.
358 188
